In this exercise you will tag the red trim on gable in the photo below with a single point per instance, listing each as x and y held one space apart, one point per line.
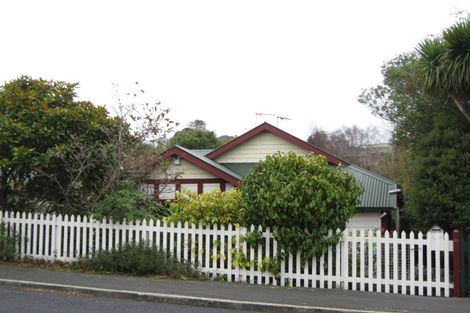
199 163
278 132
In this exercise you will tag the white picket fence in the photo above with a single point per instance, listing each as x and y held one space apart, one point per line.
363 259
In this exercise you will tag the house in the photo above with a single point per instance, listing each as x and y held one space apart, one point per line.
224 167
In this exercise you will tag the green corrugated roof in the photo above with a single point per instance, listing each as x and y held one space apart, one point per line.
202 152
240 168
376 188
198 154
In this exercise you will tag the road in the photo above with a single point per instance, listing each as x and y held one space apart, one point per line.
18 300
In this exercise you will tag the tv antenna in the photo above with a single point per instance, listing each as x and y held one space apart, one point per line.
259 114
278 117
281 118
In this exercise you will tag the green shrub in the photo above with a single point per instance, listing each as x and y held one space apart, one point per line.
213 207
8 243
303 197
129 202
138 259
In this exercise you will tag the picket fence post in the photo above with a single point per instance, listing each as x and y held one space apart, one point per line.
456 263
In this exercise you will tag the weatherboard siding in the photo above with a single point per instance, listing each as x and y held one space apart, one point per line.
365 220
184 170
257 148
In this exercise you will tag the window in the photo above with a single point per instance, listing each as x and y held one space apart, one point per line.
166 191
148 189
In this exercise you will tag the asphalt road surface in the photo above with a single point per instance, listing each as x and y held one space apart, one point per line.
32 300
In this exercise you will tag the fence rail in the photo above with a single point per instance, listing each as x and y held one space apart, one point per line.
364 260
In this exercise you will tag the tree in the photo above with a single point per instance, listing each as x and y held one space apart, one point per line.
439 167
198 124
41 128
59 154
431 136
303 197
446 65
195 136
363 147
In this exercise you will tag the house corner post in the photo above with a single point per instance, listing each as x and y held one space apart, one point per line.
456 264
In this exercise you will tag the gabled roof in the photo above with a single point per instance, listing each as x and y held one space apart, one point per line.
206 164
266 127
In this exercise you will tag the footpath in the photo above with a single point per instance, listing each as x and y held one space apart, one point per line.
225 295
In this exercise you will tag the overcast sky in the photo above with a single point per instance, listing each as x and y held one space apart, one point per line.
222 61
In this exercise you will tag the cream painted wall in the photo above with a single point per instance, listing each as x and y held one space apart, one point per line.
365 220
184 170
257 148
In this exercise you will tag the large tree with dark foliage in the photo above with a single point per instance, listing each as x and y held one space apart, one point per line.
435 138
51 146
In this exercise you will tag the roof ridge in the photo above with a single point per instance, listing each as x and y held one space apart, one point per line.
371 174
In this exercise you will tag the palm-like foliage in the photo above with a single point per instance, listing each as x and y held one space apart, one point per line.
446 64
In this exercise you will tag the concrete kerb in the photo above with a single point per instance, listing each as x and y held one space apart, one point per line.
181 299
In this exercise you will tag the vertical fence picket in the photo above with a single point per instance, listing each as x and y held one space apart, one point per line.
200 248
428 265
421 263
446 244
252 257
214 248
276 253
330 263
362 251
178 232
345 260
437 258
245 253
22 234
229 252
207 250
237 254
354 260
260 257
72 235
395 263
267 254
338 261
404 269
387 262
370 260
29 234
84 227
186 243
412 263
222 256
158 236
171 235
91 236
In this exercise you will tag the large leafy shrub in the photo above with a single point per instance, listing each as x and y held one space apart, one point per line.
213 207
303 197
129 202
138 259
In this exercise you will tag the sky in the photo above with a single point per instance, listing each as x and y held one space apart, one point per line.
222 61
